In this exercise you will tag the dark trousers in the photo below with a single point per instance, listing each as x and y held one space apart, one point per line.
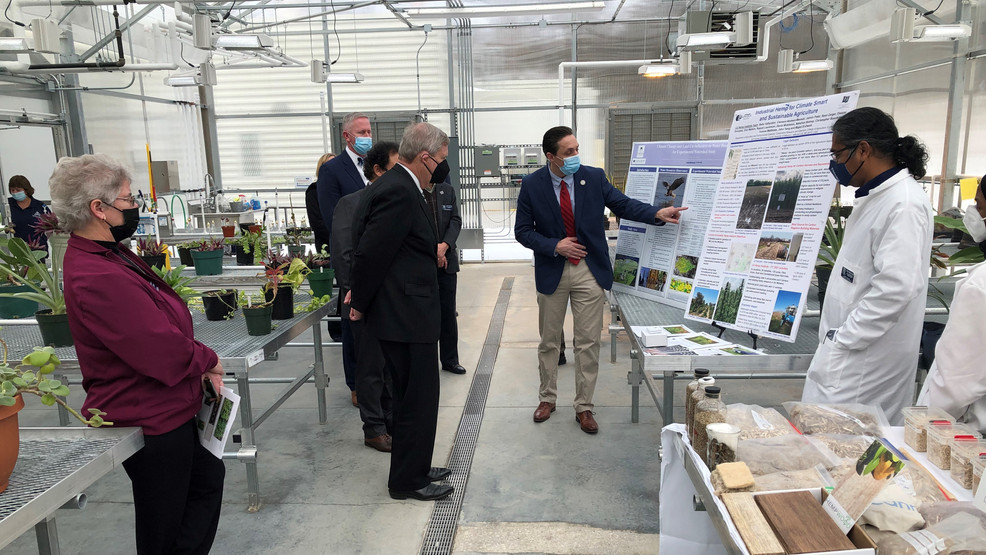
414 371
178 493
348 352
373 388
449 342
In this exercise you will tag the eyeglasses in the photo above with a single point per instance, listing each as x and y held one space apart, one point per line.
131 200
835 153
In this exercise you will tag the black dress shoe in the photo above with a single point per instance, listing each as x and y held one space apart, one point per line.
439 473
455 369
431 492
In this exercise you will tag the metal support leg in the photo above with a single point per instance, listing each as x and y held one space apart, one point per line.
246 417
321 380
634 377
613 329
47 535
668 413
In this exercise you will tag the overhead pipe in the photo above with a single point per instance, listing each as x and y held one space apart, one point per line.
85 68
96 65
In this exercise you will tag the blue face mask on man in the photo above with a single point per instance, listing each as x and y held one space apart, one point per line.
19 196
841 172
570 165
362 145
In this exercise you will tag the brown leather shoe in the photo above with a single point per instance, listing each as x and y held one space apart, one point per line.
355 402
543 412
587 422
382 443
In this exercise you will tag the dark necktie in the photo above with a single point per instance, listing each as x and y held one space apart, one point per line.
359 161
567 216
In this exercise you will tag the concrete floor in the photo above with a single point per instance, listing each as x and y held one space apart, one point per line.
533 488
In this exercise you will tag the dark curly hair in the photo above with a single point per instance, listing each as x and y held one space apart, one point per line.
878 129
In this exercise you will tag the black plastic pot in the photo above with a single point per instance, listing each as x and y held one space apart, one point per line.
823 274
243 258
185 257
219 306
54 329
283 305
154 261
258 319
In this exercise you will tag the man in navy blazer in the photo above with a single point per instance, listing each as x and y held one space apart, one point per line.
337 178
560 218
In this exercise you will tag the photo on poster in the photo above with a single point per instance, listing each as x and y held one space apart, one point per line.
685 266
740 257
652 279
731 168
677 330
754 204
670 189
784 196
703 303
625 269
781 246
730 295
681 286
785 312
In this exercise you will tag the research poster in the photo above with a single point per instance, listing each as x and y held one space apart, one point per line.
659 262
768 218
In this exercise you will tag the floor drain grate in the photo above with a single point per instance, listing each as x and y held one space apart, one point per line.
445 517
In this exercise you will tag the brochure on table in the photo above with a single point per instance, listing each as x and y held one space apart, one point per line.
659 262
215 420
769 217
683 341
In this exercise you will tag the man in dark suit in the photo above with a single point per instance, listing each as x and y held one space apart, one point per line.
395 287
560 218
337 178
375 405
442 202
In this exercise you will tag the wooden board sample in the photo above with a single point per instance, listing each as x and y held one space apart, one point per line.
800 523
752 526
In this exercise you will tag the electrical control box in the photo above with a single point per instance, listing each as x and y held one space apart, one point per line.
532 156
487 161
165 175
512 157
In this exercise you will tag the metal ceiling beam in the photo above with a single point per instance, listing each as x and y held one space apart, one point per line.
921 11
112 36
309 16
398 14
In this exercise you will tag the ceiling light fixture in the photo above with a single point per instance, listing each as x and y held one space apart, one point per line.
502 10
320 74
258 41
787 63
657 70
903 29
705 41
206 76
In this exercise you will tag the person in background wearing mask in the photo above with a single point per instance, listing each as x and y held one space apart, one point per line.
119 311
372 389
337 178
957 379
560 218
314 212
870 326
24 212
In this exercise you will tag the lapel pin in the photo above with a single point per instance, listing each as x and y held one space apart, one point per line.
582 182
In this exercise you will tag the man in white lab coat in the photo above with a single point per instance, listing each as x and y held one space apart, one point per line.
874 307
957 380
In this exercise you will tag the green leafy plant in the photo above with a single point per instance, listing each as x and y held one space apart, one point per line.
279 269
313 304
33 375
151 247
296 234
255 301
46 291
250 240
210 244
835 231
178 282
318 260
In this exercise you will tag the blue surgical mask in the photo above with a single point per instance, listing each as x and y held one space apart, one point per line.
362 145
570 165
19 195
841 172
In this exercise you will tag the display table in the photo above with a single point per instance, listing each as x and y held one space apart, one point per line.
54 466
685 478
238 353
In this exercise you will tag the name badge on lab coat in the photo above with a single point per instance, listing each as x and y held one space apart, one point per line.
848 275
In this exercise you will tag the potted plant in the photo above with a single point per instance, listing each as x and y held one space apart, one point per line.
52 321
178 282
57 239
284 275
11 307
828 251
257 312
219 304
322 275
229 230
33 376
153 252
295 235
185 252
247 246
208 257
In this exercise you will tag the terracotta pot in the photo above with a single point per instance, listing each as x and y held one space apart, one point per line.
229 230
10 441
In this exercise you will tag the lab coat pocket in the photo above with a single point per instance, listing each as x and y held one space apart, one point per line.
827 366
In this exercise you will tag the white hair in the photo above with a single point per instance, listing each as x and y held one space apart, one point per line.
421 136
78 181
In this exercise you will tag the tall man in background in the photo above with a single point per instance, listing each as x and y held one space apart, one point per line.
443 204
560 218
395 285
337 178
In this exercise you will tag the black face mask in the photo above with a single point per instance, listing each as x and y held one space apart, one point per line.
131 219
441 172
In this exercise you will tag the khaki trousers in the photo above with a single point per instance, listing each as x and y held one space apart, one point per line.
588 300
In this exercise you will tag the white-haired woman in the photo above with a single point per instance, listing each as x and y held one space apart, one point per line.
139 358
